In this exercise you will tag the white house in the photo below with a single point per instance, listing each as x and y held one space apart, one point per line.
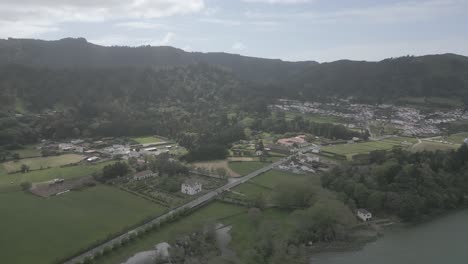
191 187
466 141
144 175
364 215
92 159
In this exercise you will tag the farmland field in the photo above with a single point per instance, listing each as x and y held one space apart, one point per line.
457 138
215 212
432 146
215 164
246 167
42 162
10 180
350 150
59 226
147 140
28 152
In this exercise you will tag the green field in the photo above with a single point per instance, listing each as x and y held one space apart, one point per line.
28 151
9 181
432 146
37 230
350 150
246 167
215 212
42 162
147 140
457 138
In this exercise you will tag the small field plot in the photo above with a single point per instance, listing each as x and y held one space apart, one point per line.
401 140
215 212
458 138
350 150
8 181
42 162
37 230
28 152
273 178
216 164
246 167
433 146
148 140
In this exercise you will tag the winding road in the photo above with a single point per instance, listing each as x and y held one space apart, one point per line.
190 205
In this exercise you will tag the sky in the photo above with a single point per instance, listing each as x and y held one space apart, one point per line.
319 30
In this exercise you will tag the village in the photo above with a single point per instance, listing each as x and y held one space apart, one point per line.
405 120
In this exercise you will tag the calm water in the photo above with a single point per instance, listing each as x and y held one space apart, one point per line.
442 241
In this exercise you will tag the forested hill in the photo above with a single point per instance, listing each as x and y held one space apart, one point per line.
79 53
427 76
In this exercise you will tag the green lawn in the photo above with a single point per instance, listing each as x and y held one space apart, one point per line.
28 151
13 180
42 162
457 138
273 178
215 212
37 230
432 146
350 150
147 140
401 140
246 167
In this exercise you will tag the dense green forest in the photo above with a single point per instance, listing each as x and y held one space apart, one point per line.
410 185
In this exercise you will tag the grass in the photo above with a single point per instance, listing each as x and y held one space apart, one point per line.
42 162
273 178
433 101
28 151
214 212
147 140
433 146
246 167
37 230
6 180
457 138
350 150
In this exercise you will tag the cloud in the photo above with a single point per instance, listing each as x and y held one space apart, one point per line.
49 14
222 21
139 25
238 46
167 39
400 12
278 1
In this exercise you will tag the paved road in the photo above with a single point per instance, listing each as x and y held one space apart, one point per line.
190 205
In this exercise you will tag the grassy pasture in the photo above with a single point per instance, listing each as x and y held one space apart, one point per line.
350 150
433 146
37 230
28 151
42 162
147 140
457 138
9 181
246 167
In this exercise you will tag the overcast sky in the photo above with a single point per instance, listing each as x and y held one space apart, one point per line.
321 30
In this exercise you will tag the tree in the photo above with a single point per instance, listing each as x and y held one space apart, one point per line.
24 168
294 195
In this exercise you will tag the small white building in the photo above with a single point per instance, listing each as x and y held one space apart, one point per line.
144 175
466 141
259 153
364 215
191 187
92 159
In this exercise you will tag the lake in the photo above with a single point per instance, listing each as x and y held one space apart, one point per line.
441 241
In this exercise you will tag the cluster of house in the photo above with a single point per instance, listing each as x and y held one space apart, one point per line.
99 149
303 163
410 121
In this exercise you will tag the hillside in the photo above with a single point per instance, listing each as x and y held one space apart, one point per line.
443 75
